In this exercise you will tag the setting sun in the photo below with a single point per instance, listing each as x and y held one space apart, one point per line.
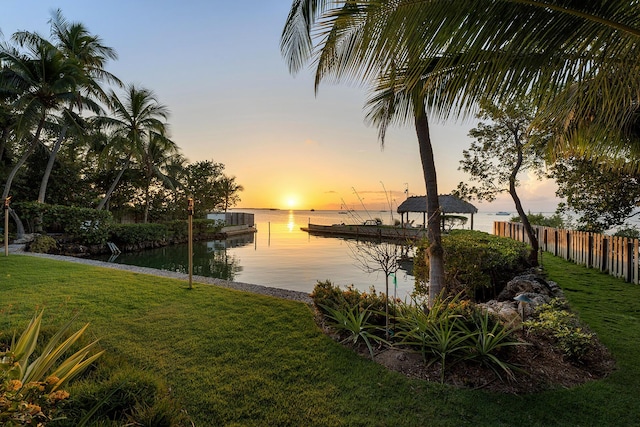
292 202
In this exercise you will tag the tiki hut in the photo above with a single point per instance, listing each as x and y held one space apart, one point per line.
448 205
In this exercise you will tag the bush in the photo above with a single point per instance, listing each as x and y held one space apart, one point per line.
42 244
555 220
452 331
555 320
326 294
131 234
31 392
630 231
476 263
87 226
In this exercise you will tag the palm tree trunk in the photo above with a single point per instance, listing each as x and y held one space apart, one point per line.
25 156
146 202
50 163
19 226
435 252
115 182
3 142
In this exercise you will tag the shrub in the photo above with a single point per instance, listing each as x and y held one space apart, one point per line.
630 231
452 331
87 226
31 392
555 320
131 234
555 220
354 322
326 294
42 244
476 263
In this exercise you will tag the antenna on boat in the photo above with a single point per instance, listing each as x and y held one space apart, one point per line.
388 202
353 215
361 202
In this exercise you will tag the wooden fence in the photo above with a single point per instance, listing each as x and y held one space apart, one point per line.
617 256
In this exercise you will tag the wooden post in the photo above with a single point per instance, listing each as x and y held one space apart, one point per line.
190 213
6 226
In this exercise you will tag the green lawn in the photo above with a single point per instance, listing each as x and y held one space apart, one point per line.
240 359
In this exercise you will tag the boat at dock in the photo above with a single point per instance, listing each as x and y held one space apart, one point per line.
366 231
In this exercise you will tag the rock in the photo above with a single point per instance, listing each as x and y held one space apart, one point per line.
505 310
529 284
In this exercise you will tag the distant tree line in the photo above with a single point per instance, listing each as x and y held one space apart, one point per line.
71 133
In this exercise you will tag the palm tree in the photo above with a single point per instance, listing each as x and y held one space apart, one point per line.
41 80
228 190
38 81
578 61
391 102
76 43
157 160
133 124
458 52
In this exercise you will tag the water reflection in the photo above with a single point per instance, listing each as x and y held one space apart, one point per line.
279 255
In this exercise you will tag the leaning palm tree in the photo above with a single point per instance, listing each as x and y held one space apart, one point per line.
41 80
38 81
135 121
339 56
76 43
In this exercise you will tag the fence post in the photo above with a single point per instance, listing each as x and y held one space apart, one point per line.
629 261
605 254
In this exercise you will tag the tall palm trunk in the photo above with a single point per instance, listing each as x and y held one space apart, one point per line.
25 156
115 182
435 252
7 186
50 163
146 201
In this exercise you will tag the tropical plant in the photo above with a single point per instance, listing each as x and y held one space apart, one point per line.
554 319
489 337
77 44
133 124
435 332
354 321
229 189
27 387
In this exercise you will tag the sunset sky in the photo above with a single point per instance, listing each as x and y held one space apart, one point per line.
217 66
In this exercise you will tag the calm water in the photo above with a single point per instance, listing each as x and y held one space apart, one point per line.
283 256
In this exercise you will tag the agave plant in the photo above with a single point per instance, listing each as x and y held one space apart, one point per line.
15 362
355 322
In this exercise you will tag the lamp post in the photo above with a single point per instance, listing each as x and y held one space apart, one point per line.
522 300
190 214
6 226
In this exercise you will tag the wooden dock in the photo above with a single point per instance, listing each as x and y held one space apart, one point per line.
366 231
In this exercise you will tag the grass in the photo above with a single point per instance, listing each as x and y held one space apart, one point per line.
239 359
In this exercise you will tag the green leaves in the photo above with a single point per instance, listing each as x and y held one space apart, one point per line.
454 331
355 322
14 363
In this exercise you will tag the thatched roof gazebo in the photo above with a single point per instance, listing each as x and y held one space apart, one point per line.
448 205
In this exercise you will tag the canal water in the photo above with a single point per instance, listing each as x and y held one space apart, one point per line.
281 255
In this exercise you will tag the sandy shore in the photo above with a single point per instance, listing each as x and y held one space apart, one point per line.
247 287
